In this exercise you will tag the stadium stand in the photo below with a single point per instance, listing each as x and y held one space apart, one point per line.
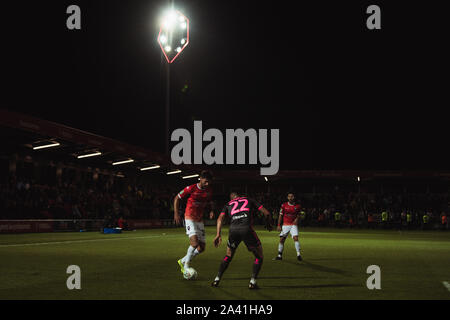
61 192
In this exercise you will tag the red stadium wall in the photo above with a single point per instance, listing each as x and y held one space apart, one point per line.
24 226
145 224
30 226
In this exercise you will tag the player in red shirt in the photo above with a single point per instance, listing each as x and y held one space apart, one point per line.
198 198
289 214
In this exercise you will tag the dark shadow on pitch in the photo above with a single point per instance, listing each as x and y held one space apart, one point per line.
333 259
270 277
229 293
318 267
318 286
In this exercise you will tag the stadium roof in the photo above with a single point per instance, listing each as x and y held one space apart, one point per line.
20 131
74 139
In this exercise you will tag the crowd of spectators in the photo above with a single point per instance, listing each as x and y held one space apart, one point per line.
21 199
341 208
68 200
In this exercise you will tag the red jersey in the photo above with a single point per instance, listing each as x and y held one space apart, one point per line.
197 200
120 223
289 213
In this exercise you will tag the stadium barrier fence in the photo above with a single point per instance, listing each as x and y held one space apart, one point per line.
70 225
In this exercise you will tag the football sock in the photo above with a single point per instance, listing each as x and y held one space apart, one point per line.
257 267
195 253
280 249
223 266
189 255
297 247
253 281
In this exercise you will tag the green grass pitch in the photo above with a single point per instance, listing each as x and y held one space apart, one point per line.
143 265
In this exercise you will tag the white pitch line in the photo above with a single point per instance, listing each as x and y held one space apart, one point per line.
74 241
446 284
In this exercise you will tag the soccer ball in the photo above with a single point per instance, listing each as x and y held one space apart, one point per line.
190 273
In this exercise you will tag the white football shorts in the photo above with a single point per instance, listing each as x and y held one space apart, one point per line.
195 228
293 229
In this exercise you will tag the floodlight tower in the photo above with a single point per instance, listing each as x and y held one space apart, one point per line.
173 37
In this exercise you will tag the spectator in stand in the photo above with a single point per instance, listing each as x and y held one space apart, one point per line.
425 223
116 208
370 221
122 223
384 219
156 209
409 220
337 219
321 219
403 219
351 222
109 221
361 218
444 221
76 214
302 218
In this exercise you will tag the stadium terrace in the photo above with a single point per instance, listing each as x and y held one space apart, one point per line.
213 153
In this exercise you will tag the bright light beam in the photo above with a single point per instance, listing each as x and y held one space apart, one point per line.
173 172
122 162
169 19
191 176
150 168
174 29
89 155
47 146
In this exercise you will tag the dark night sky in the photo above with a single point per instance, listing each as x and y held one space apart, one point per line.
342 96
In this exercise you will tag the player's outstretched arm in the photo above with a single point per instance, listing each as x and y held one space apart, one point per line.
268 218
212 207
176 214
218 238
280 217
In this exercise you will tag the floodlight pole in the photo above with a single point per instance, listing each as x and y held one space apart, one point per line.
167 108
168 98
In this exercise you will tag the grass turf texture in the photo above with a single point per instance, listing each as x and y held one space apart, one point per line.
143 265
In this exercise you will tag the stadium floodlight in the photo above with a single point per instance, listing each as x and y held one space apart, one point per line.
191 176
150 168
359 179
94 154
54 144
265 178
173 172
169 19
174 29
122 162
